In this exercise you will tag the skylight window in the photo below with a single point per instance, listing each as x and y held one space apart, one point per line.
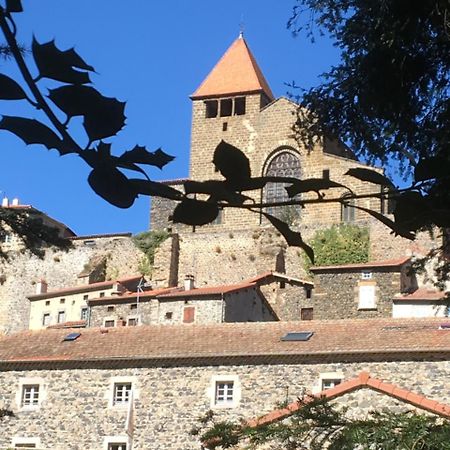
298 336
72 336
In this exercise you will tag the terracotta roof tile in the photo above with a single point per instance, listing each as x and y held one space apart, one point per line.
209 290
72 324
127 296
422 293
237 72
362 381
348 338
369 265
83 288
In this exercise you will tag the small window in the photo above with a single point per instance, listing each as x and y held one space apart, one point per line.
225 126
326 174
239 106
109 323
117 446
366 275
347 212
308 293
61 316
84 313
89 243
110 308
329 383
62 301
30 395
102 294
133 306
85 297
47 303
168 315
306 314
122 392
226 107
24 445
7 238
212 107
367 299
132 321
224 393
46 319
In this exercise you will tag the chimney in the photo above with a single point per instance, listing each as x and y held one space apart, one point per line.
5 202
188 282
41 287
15 202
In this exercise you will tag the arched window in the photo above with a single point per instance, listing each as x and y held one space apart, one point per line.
284 164
347 212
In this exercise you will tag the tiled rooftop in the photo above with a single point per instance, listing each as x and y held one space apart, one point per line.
364 380
422 293
237 72
394 263
260 339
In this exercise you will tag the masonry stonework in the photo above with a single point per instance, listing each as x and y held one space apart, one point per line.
59 269
168 400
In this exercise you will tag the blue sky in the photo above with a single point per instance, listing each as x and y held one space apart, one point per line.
152 54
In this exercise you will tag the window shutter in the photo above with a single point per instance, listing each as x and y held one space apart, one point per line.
367 297
189 314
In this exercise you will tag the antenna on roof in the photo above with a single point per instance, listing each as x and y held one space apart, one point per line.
241 27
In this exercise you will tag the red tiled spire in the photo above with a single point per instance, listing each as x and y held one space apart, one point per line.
237 72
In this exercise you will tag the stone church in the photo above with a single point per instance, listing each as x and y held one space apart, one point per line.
234 103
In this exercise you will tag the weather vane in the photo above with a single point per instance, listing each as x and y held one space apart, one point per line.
241 26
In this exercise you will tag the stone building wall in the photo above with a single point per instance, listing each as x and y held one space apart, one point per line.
77 412
336 295
60 269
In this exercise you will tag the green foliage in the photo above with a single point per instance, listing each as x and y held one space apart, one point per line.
149 242
28 225
317 425
340 244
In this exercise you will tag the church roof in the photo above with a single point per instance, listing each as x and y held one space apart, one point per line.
237 72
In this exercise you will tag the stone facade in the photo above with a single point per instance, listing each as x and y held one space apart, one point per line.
244 305
77 411
60 269
337 291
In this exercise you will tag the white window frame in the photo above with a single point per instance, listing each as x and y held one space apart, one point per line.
19 440
118 439
112 391
44 315
212 391
135 318
107 319
31 381
327 376
363 302
63 312
366 275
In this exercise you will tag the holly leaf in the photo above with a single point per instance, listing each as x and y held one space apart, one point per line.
397 228
13 6
232 164
10 90
153 188
218 190
113 186
33 132
140 155
60 65
312 184
194 212
369 175
103 116
431 168
293 238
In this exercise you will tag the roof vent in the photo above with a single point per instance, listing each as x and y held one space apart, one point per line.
298 336
72 337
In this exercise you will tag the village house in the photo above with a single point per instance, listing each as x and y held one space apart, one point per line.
70 305
144 387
